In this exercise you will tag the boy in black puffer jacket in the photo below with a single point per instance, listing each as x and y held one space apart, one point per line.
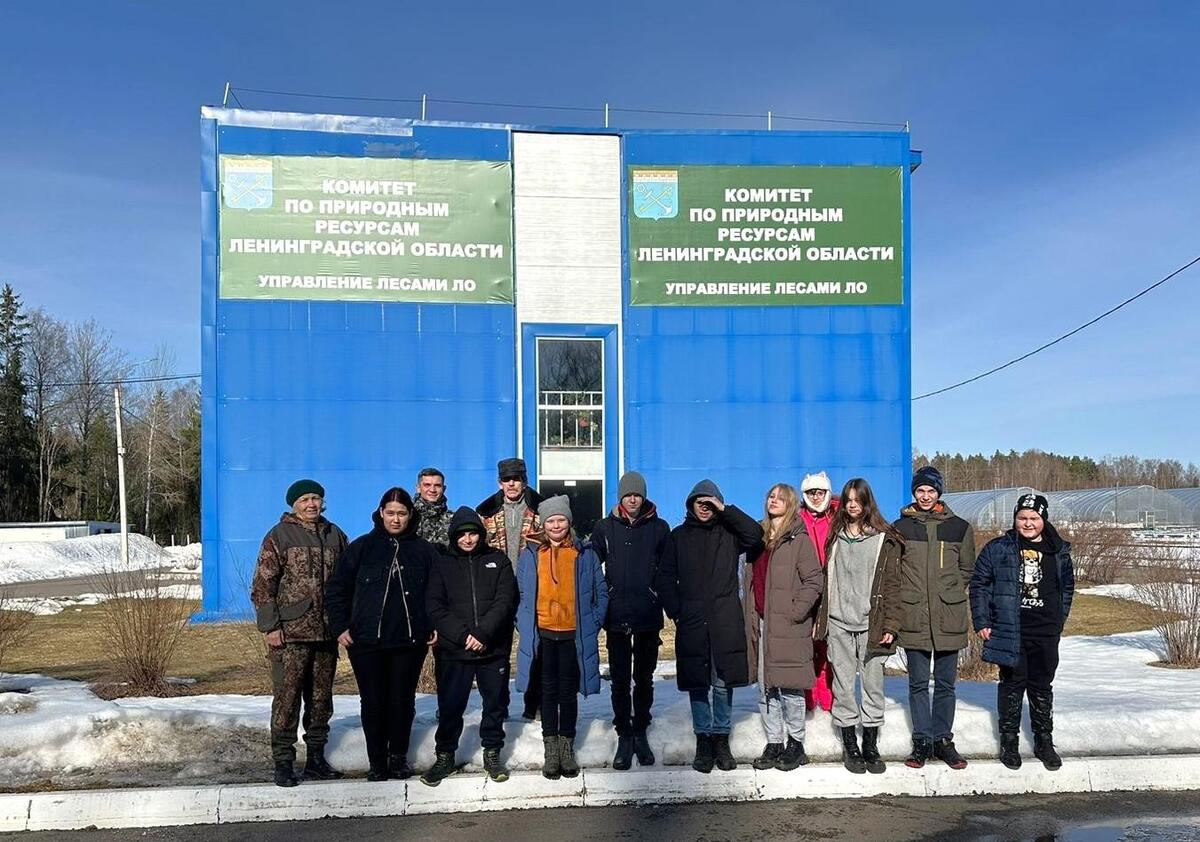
471 600
630 542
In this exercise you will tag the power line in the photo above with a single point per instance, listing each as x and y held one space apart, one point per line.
325 96
119 382
1067 335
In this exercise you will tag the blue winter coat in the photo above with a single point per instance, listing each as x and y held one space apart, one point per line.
591 604
996 593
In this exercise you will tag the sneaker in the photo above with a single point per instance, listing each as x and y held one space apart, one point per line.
921 752
770 754
793 756
495 768
945 751
443 767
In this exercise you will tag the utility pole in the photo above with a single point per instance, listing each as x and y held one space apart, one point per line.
121 479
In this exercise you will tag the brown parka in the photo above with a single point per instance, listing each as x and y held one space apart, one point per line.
794 585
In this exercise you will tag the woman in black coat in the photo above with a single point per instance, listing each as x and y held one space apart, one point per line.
698 585
375 604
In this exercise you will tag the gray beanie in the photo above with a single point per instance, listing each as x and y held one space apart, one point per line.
631 483
559 505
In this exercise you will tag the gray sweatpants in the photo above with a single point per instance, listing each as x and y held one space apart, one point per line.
782 709
848 655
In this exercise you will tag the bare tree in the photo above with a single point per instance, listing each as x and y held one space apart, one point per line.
92 364
46 369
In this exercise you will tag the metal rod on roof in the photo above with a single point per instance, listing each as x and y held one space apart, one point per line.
606 115
225 99
769 121
422 106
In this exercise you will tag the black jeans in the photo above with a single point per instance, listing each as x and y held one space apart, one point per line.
1037 663
454 690
387 688
632 656
560 688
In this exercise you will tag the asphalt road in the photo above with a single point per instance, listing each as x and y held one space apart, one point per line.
1163 817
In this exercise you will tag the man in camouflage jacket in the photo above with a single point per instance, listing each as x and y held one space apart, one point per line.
297 558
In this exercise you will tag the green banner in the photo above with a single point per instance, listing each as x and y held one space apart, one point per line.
366 229
751 235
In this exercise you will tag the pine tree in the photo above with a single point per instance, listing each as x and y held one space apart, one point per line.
18 442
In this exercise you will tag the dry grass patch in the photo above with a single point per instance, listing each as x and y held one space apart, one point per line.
219 656
1092 614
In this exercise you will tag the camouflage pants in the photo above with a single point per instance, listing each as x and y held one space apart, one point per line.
301 672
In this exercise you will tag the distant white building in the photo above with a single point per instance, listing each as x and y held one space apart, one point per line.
55 530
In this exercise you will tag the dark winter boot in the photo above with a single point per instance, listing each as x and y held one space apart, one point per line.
793 756
377 773
770 754
852 758
317 768
703 761
945 751
1041 716
623 759
722 756
442 768
1008 712
1010 752
870 751
495 768
552 763
285 774
641 747
398 767
921 752
567 763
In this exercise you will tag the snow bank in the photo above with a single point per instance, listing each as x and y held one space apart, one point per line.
39 560
1108 701
186 558
50 605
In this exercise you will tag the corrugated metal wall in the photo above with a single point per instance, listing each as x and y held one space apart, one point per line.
357 395
362 395
750 396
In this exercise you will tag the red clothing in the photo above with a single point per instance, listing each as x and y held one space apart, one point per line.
821 695
818 526
758 581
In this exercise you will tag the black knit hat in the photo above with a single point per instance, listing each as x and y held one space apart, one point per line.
301 487
930 476
1035 502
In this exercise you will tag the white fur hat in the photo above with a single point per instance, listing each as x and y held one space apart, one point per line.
817 480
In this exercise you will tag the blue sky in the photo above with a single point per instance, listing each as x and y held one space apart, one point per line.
1061 171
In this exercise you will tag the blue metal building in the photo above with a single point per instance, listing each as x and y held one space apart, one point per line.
361 394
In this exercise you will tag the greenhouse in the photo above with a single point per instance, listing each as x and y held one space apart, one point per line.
1190 497
1134 505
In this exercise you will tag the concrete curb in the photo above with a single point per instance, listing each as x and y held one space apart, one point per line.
224 804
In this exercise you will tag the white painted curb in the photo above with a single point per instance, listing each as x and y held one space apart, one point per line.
593 788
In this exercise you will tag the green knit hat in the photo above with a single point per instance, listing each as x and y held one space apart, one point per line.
301 487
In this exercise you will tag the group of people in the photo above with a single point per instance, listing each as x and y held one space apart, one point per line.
807 603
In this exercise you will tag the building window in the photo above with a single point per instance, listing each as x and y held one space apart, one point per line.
570 393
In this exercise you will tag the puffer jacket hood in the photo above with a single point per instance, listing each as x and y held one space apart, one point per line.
466 518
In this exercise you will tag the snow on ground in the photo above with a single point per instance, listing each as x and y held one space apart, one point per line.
50 605
1183 593
1108 700
186 558
88 556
